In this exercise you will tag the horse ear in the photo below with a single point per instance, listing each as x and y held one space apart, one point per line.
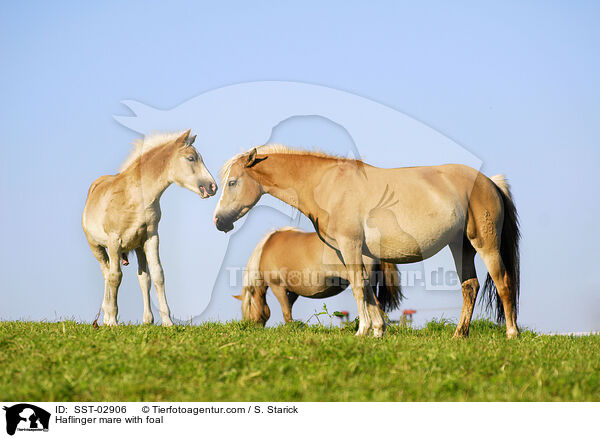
252 158
191 140
183 138
239 297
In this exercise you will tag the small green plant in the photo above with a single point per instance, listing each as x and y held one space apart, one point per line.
324 312
351 326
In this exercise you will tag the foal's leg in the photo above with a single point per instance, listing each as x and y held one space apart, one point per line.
100 255
109 305
144 280
368 312
281 295
464 259
158 278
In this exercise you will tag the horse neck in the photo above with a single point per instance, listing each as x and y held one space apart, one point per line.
151 172
292 179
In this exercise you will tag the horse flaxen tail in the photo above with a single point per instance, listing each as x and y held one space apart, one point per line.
509 252
387 286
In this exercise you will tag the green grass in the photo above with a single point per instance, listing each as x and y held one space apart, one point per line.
67 361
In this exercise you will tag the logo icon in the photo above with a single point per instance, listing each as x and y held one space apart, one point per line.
26 417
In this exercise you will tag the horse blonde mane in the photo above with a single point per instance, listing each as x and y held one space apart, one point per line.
271 149
142 146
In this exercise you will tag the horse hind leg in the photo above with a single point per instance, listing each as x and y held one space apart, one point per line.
487 245
496 269
292 297
112 283
100 254
464 259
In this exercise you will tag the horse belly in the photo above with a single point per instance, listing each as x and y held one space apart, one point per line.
409 242
315 283
331 291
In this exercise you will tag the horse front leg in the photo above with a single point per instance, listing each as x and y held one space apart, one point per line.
464 260
282 296
379 324
144 280
158 278
369 315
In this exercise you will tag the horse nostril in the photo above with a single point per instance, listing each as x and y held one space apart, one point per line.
213 187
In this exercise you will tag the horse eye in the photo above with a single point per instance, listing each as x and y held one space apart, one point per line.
232 183
191 158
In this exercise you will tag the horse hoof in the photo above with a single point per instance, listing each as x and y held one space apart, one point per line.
378 332
149 320
167 323
362 331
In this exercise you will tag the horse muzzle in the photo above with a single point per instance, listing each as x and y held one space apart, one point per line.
223 224
208 190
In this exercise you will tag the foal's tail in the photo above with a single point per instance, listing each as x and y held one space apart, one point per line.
509 252
389 293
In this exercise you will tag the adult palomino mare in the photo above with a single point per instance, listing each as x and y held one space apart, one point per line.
295 263
122 212
401 215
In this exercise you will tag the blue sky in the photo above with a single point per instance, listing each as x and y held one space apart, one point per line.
514 83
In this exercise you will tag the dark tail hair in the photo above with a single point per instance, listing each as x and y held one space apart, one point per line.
387 286
509 252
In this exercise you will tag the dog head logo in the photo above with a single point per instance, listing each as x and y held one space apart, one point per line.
26 417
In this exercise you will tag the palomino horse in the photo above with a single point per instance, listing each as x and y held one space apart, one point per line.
122 212
294 263
400 215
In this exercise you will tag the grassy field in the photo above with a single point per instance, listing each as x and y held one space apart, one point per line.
68 361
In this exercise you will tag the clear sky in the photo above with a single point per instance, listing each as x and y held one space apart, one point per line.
514 83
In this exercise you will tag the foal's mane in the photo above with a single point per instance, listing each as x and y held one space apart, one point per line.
144 145
273 149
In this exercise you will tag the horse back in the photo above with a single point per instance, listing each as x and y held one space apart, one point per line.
291 250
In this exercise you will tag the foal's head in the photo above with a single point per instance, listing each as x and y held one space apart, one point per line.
240 192
187 168
254 304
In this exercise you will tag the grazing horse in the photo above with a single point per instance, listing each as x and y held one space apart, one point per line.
295 263
122 212
400 215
